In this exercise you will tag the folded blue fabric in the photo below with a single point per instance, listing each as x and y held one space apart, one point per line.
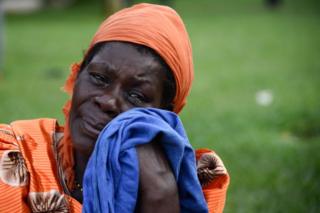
111 178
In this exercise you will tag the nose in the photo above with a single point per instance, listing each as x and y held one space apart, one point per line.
109 104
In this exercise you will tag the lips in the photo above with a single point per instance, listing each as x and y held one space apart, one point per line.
90 129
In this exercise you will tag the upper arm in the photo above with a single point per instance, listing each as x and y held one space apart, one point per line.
158 191
7 139
13 190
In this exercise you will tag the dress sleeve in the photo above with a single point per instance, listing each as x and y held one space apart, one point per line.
14 176
214 179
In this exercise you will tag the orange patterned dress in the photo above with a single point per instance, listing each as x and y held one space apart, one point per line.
32 178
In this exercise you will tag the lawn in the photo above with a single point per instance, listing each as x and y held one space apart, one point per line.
240 48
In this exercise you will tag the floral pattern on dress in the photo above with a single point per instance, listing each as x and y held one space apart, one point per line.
13 170
51 201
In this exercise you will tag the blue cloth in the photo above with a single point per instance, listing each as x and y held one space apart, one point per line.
111 178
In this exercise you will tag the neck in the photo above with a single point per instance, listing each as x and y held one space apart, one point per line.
81 161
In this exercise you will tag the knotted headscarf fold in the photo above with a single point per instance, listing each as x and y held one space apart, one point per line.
154 26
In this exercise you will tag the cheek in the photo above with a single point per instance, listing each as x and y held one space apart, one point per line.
159 96
80 96
83 91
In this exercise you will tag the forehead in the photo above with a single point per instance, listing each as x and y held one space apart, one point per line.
126 56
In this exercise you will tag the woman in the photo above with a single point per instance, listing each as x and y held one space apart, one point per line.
139 57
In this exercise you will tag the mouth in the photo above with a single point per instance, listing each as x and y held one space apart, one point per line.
91 130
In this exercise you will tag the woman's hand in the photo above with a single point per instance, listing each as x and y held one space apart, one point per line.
158 191
210 166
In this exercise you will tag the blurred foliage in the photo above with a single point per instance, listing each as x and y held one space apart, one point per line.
240 47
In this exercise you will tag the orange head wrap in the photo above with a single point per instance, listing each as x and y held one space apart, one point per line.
154 26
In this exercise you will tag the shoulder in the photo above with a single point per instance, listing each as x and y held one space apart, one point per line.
26 148
7 138
26 153
34 125
18 130
13 172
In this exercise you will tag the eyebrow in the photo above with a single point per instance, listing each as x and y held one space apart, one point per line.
109 68
141 78
104 65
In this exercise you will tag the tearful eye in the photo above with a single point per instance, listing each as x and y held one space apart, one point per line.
99 79
137 98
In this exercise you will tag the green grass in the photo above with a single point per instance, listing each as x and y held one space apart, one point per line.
239 48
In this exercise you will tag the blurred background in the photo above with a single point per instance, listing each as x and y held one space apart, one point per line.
255 97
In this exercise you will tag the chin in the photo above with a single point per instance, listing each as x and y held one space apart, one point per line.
82 142
84 146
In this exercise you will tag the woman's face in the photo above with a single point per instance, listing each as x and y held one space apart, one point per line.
117 79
